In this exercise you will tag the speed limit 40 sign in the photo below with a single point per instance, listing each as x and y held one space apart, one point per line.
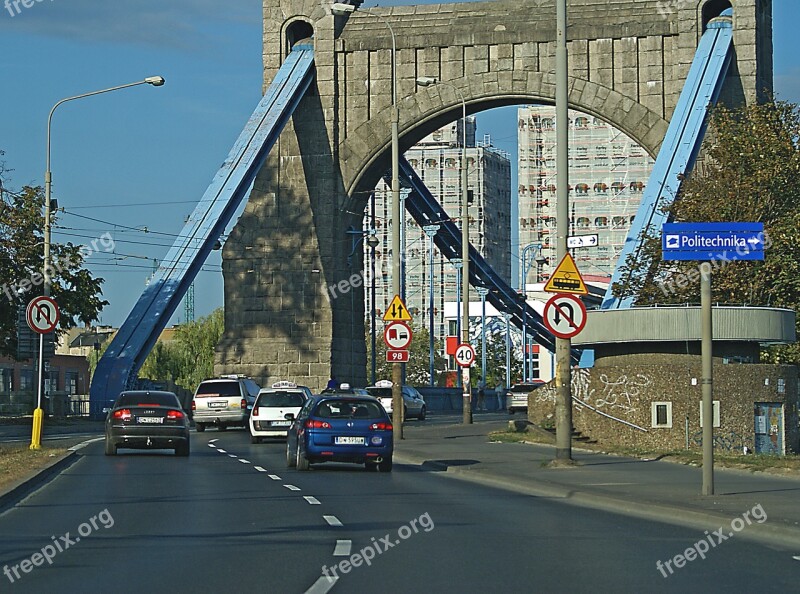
465 354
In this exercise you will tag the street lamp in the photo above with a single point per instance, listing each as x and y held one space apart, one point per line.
426 81
483 291
156 81
458 264
372 241
342 9
526 265
430 231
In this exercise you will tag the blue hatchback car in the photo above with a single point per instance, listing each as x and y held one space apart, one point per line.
340 428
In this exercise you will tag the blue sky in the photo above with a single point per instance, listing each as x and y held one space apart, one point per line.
134 163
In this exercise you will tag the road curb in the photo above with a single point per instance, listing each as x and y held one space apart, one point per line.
765 533
18 490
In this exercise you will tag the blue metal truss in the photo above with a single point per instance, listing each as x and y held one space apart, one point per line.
125 355
680 146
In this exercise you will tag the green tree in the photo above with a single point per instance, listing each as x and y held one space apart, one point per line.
189 358
76 291
751 175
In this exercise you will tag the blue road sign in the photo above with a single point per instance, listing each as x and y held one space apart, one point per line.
713 241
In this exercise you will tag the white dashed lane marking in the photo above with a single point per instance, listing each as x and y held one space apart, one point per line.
221 451
275 477
259 469
322 585
312 500
292 487
332 521
343 548
243 461
232 456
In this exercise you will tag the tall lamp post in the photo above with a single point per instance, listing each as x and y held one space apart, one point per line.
425 81
38 414
430 231
458 264
483 291
526 265
342 9
372 241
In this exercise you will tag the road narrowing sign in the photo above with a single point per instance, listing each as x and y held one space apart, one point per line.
564 315
42 314
465 354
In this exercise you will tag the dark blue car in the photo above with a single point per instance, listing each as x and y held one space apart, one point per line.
340 428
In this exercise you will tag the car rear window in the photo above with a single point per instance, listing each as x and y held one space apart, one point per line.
144 399
281 399
380 392
219 389
349 409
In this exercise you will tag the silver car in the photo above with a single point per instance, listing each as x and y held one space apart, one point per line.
413 402
224 402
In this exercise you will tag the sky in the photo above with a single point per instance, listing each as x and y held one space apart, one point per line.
134 163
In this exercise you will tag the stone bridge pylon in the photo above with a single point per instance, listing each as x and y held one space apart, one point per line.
628 62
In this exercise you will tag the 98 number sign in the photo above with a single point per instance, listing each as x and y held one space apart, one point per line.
465 355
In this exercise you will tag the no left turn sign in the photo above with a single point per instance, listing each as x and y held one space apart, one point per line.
42 315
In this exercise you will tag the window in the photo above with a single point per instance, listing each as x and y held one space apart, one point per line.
715 408
661 415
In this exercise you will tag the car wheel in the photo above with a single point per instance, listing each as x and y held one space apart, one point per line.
200 427
291 460
254 439
301 461
111 449
385 465
183 449
422 414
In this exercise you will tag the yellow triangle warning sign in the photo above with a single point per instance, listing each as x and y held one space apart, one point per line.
566 278
397 311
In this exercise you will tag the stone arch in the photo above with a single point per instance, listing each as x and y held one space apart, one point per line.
294 29
434 106
712 9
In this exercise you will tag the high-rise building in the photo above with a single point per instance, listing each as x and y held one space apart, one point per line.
607 173
436 159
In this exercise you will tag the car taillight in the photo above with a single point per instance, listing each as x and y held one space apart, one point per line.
382 426
315 424
123 414
194 406
174 414
255 411
243 403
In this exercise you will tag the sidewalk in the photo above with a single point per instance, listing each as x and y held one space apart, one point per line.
652 490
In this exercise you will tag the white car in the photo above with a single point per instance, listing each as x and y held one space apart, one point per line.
268 418
413 402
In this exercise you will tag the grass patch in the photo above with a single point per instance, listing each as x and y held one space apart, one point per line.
789 464
16 462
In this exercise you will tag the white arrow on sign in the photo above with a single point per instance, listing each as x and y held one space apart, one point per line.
579 241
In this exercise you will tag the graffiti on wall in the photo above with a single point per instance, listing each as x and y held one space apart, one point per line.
617 395
730 441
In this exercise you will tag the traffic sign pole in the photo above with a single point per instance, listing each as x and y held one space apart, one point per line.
42 316
38 414
707 378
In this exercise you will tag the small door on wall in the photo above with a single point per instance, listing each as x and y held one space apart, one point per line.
769 428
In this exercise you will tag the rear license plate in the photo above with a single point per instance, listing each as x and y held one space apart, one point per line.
349 441
217 404
151 420
280 423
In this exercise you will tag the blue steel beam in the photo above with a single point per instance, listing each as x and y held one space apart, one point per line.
680 146
132 343
426 210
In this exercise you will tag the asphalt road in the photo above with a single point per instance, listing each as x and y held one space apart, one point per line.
233 518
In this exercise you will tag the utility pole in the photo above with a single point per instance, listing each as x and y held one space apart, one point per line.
563 345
